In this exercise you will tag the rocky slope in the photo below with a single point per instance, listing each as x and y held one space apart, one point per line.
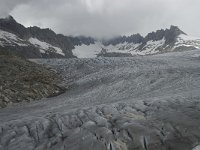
22 80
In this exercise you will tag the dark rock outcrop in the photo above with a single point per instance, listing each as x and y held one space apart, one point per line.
135 38
104 53
22 80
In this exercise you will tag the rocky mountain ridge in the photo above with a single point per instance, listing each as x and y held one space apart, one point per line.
169 34
160 41
34 42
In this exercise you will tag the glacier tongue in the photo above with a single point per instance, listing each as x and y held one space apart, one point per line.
149 102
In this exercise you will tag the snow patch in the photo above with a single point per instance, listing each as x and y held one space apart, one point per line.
87 51
187 41
90 51
45 47
151 47
7 38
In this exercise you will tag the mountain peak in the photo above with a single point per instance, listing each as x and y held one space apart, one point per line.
169 35
9 18
176 30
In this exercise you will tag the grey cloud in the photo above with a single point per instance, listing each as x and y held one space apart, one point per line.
103 18
8 5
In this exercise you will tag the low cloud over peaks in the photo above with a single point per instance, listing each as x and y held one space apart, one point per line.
105 18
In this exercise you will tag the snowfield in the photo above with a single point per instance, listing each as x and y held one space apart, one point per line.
45 47
87 51
187 41
136 103
7 38
91 51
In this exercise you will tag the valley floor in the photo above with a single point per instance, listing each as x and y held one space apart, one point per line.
137 103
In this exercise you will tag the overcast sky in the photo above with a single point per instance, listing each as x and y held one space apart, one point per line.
107 18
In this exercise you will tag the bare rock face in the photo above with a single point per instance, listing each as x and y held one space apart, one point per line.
22 80
104 53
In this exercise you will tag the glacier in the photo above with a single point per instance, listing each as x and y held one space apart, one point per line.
141 102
